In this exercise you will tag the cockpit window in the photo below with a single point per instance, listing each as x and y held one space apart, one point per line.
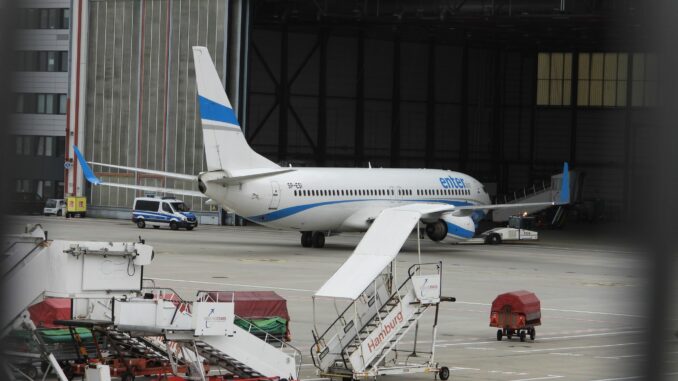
180 207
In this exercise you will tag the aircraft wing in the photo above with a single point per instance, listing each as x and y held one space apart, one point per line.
92 178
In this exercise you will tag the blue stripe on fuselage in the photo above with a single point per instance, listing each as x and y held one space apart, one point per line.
282 213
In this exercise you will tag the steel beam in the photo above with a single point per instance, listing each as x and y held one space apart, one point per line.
463 115
573 107
533 118
395 102
628 132
283 95
359 134
321 146
431 104
497 127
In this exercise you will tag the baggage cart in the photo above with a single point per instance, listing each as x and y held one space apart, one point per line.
516 313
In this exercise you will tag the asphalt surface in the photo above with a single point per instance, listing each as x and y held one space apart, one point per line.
591 292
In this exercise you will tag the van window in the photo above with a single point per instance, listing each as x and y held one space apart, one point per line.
151 206
167 208
180 206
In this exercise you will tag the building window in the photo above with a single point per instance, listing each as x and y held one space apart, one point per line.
28 103
554 79
603 79
43 18
49 61
644 80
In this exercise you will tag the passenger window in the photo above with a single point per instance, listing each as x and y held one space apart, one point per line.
167 208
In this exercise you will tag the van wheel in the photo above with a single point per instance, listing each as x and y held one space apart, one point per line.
141 224
189 227
174 225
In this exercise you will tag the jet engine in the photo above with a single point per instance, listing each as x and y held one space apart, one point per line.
451 229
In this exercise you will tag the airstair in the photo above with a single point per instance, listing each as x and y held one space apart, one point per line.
366 338
204 330
206 326
543 192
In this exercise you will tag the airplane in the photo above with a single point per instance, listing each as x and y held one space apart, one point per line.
318 202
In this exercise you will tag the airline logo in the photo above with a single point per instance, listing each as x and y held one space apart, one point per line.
450 182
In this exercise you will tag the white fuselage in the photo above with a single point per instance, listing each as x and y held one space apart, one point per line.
342 199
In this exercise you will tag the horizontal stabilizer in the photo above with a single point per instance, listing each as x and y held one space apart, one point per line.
179 176
92 178
181 192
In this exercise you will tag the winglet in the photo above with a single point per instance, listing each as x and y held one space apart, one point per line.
565 186
86 170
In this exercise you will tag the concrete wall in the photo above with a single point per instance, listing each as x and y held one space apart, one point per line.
142 106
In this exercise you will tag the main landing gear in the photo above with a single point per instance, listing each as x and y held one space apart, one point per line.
313 239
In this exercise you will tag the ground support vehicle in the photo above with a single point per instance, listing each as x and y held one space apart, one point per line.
518 229
54 207
516 313
76 206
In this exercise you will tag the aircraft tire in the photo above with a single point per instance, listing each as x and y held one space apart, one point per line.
306 239
318 240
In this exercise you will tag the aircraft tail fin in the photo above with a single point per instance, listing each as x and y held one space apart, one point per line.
565 186
225 145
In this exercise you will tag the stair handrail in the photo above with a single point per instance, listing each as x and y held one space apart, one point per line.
533 189
283 344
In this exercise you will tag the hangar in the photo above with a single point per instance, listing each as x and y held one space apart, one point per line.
503 90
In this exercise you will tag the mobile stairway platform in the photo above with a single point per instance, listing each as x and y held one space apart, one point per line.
366 339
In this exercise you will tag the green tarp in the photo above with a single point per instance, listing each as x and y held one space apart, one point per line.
54 335
276 326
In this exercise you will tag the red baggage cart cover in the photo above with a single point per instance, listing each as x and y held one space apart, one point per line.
44 313
256 304
522 301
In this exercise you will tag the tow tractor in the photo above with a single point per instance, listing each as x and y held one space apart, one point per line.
518 229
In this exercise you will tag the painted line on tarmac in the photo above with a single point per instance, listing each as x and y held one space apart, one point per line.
631 377
549 377
544 339
233 284
564 310
581 347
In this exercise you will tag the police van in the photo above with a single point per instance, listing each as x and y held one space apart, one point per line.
162 211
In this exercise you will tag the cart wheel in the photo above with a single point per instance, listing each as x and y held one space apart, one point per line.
533 333
444 373
522 336
499 335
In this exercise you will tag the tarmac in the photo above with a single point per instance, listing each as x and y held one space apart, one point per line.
593 314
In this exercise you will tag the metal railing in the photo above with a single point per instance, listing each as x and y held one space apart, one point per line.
270 339
525 192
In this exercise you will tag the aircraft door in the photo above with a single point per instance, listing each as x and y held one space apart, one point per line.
275 195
